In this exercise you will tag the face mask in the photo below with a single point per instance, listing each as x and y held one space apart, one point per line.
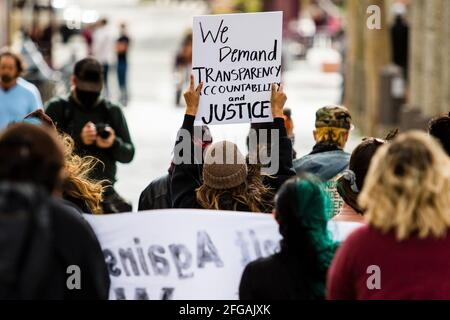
87 98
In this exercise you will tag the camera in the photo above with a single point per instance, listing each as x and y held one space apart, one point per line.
101 130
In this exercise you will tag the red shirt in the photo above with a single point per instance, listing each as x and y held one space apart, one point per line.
410 269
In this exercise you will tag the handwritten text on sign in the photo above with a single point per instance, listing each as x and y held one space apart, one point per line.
237 57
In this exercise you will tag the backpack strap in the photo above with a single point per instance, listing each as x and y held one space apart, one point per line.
67 113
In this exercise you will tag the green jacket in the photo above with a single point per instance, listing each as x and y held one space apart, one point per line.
70 117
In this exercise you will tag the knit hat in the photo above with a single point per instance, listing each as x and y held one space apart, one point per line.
224 166
333 116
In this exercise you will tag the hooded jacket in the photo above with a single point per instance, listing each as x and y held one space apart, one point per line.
41 238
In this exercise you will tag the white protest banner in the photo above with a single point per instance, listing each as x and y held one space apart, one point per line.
184 254
237 57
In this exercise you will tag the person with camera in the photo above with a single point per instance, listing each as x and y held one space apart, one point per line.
97 126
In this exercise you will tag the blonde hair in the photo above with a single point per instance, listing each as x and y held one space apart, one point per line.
78 184
331 134
407 188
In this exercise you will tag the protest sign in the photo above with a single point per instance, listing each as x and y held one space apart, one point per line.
237 57
184 253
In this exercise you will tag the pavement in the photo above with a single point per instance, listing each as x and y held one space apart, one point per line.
156 29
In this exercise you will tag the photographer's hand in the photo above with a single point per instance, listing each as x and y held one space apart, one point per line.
192 98
88 134
106 143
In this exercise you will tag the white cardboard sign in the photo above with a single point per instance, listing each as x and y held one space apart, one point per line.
237 57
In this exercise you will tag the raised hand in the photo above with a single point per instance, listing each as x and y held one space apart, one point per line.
192 97
278 100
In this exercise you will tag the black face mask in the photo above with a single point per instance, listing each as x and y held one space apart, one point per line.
87 98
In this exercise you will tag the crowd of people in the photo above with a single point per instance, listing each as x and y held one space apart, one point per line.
60 161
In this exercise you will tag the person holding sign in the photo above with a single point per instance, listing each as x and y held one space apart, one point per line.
221 181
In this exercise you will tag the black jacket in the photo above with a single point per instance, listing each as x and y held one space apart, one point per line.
70 117
187 178
41 239
278 277
157 195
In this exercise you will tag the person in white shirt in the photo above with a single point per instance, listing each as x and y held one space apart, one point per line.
103 49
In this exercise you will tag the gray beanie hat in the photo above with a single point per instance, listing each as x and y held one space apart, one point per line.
224 166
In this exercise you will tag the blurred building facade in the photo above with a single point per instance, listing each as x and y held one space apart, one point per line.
5 30
371 74
430 61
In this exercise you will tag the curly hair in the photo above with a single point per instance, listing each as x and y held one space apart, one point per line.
253 194
407 188
77 183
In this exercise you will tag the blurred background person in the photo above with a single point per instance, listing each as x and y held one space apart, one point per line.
289 124
182 67
87 33
122 46
103 44
298 271
18 97
439 128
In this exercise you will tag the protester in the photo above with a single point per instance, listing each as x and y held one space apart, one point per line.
440 129
41 236
298 271
87 33
328 157
351 182
82 193
399 38
289 124
103 49
78 188
122 46
18 97
402 252
225 185
158 195
98 128
182 66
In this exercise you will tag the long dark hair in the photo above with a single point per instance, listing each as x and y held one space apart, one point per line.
303 209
